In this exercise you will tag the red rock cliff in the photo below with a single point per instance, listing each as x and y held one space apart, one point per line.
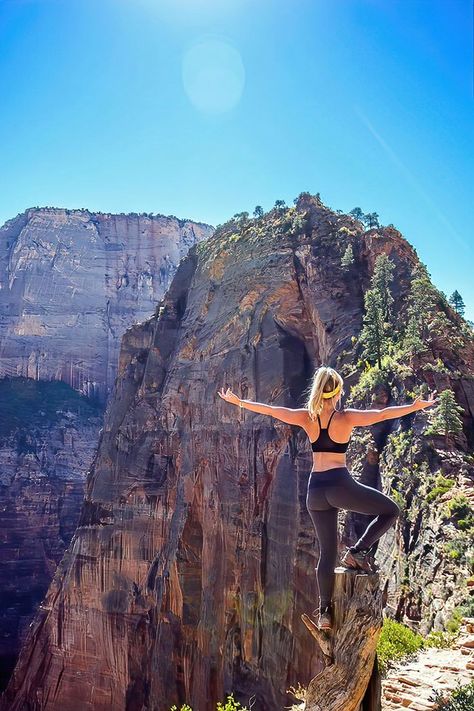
195 555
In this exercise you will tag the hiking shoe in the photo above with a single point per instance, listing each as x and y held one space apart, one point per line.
359 560
323 617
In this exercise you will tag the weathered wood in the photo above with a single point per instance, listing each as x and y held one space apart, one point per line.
349 648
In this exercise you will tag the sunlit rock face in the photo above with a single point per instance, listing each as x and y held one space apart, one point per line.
194 555
71 283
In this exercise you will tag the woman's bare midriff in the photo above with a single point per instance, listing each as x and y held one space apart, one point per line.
328 460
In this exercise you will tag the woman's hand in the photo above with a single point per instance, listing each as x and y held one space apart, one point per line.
229 396
422 404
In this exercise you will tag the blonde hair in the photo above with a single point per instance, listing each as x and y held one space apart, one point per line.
325 380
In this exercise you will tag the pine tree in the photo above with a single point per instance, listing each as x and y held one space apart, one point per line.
412 341
357 214
457 302
381 280
421 305
425 321
241 216
377 323
444 418
280 204
258 212
347 259
371 219
372 336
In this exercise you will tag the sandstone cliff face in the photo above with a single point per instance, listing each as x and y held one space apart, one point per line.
194 557
71 283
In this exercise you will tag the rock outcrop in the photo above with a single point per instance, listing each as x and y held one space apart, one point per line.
71 283
194 556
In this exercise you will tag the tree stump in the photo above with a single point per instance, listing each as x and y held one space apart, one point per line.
349 648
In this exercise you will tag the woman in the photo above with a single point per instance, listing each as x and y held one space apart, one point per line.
330 485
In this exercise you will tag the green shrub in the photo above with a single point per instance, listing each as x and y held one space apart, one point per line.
459 506
441 640
370 379
465 524
461 699
455 549
454 622
229 705
460 509
395 642
441 486
401 443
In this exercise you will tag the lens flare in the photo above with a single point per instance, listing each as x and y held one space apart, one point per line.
213 75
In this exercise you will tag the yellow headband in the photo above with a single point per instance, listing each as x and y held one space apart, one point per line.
333 392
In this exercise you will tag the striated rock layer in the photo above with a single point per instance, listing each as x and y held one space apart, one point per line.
71 283
194 556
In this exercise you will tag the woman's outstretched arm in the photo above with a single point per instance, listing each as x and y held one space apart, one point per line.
285 414
370 417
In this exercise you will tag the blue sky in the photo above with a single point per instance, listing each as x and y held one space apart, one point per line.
204 108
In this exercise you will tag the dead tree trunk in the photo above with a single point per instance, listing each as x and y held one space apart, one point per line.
349 648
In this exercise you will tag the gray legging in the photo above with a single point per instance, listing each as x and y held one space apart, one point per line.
334 489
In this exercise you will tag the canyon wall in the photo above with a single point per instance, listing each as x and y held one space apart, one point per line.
71 283
194 555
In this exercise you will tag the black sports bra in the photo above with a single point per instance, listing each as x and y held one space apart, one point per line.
324 443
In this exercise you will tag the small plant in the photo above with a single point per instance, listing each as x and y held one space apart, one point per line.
455 549
440 640
229 705
459 508
398 498
454 622
396 641
299 693
401 443
461 699
347 259
441 486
